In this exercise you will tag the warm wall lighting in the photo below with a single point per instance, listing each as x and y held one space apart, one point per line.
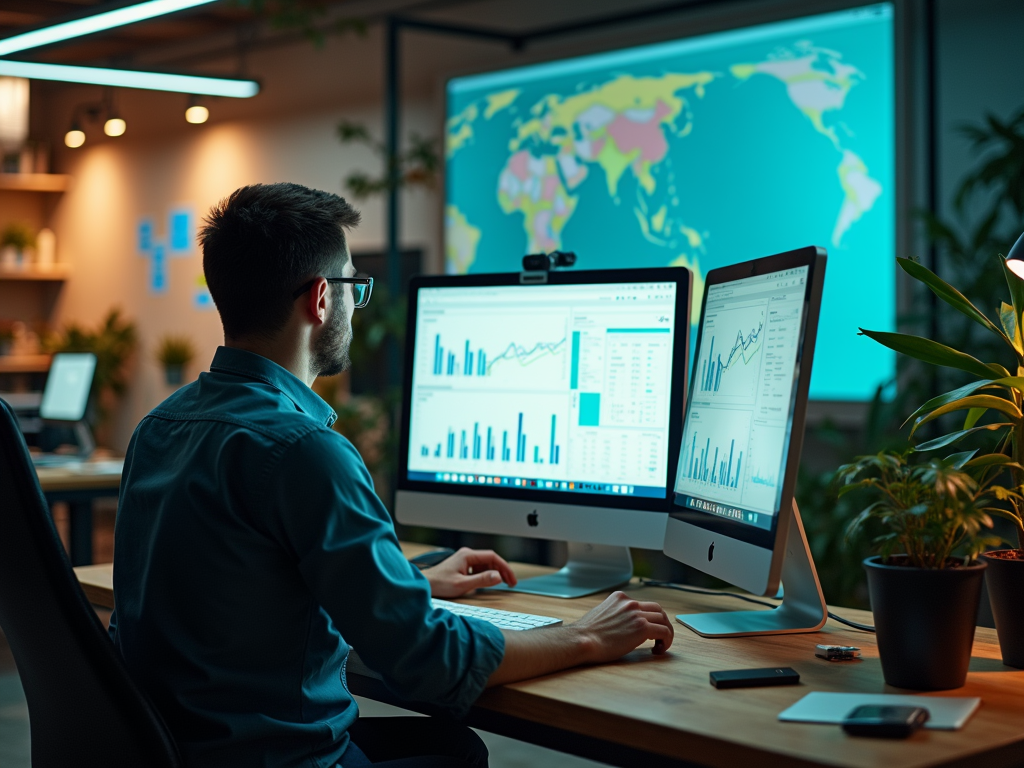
74 138
196 114
13 113
115 126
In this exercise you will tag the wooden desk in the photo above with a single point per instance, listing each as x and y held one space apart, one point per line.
653 711
79 486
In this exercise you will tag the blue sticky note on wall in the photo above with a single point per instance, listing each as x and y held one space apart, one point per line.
180 228
158 270
145 235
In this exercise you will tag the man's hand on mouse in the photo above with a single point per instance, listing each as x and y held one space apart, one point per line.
466 570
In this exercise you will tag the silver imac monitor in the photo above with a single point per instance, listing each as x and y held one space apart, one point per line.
734 514
547 405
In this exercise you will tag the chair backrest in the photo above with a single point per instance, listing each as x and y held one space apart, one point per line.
83 707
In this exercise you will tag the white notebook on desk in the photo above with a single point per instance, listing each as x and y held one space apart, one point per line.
945 713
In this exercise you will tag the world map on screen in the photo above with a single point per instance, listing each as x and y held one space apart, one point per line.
702 153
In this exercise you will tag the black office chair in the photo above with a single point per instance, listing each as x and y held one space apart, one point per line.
83 707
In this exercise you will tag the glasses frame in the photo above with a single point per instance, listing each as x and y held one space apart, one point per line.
367 281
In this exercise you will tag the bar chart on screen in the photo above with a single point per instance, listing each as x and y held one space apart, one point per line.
503 350
476 433
715 452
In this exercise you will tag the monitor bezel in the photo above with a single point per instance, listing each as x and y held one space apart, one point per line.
813 258
681 276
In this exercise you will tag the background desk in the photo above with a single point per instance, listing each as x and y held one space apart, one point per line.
80 486
653 711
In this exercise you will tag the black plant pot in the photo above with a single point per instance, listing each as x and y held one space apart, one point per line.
1005 579
924 622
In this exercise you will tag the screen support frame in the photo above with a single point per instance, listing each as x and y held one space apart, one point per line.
591 568
802 609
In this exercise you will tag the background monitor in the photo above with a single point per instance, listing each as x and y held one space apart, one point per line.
744 421
66 394
550 411
754 140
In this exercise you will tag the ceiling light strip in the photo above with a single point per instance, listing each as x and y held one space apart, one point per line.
124 78
97 23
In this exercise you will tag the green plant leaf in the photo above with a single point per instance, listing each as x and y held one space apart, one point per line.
933 352
948 397
993 460
1016 286
1009 323
959 460
951 296
953 437
970 403
972 417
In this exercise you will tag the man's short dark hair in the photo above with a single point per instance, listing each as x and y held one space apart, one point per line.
263 242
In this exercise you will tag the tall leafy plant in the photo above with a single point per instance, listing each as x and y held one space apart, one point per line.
993 401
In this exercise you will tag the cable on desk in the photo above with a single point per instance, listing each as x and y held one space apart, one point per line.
754 600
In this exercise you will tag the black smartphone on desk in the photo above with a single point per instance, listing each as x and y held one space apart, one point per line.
888 722
755 678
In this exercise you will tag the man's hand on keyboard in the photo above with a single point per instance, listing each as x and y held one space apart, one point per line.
466 570
620 624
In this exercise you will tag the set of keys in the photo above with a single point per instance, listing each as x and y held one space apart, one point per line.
837 652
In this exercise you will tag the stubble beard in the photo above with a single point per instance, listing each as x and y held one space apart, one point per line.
331 352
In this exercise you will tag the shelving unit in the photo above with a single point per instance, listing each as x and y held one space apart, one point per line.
35 182
53 273
24 363
29 293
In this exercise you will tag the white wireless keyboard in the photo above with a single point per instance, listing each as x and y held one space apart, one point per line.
500 619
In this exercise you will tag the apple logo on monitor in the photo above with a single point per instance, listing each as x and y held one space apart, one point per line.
711 552
531 519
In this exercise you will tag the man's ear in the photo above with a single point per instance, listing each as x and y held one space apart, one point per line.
317 307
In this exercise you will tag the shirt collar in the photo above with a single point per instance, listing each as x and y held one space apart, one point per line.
253 366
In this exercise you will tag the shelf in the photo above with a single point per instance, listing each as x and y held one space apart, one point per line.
24 363
35 182
53 273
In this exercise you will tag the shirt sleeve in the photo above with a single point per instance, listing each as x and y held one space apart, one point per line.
324 510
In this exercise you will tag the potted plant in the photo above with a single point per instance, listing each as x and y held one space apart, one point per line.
174 353
925 583
15 240
993 402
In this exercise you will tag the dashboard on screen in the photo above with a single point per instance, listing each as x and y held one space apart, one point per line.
555 388
702 152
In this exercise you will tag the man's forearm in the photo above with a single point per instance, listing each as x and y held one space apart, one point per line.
537 652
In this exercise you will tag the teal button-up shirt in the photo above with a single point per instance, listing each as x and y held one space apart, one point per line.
251 555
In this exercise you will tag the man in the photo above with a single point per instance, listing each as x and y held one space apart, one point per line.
253 554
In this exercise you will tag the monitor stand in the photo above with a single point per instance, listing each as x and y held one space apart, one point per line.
591 568
84 438
803 605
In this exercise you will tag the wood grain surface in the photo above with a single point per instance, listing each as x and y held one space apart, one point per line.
92 475
666 705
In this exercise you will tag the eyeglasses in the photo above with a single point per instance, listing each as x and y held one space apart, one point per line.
362 287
